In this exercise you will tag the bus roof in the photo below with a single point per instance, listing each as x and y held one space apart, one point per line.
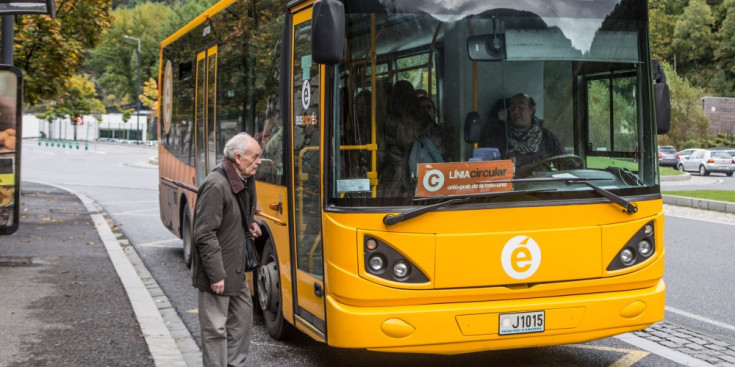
216 8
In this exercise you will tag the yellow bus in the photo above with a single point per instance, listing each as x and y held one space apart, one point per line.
403 207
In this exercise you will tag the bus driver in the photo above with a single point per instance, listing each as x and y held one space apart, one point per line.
525 141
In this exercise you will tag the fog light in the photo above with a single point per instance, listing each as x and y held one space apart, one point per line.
376 263
400 270
644 248
626 256
648 229
371 244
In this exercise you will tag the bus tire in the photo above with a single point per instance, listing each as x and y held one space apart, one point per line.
187 235
269 292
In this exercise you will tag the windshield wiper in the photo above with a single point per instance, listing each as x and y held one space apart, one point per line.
391 219
628 207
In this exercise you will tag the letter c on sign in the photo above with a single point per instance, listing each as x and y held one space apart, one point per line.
521 257
433 180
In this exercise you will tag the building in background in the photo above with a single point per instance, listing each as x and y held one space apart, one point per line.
721 113
111 127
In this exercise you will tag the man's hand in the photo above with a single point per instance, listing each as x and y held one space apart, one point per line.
255 231
219 287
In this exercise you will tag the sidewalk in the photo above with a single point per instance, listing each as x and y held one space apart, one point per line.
63 303
71 296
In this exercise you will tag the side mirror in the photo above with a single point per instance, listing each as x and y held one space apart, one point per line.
11 113
472 127
663 99
328 31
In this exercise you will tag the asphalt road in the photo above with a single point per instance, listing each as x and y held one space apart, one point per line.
122 181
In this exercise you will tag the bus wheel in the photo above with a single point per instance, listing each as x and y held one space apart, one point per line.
187 236
269 292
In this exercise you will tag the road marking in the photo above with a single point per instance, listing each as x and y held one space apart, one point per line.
700 318
630 358
131 202
161 243
662 351
128 212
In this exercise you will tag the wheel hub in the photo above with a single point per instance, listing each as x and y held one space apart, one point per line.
267 286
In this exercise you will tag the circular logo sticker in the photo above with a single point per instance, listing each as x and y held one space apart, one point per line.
167 97
306 95
433 180
521 257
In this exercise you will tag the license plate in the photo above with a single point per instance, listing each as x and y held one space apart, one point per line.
522 322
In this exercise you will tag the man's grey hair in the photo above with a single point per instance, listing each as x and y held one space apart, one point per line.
237 144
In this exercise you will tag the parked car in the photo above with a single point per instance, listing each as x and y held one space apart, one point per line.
683 154
667 156
708 161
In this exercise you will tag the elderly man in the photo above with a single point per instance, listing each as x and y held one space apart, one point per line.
524 140
225 306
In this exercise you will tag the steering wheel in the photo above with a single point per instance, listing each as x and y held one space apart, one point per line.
527 170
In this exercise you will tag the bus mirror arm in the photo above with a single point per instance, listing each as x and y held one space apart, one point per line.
328 31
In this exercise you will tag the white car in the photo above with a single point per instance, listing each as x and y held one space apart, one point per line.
708 161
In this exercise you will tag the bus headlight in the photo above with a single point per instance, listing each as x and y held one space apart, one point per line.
641 246
400 269
644 248
376 263
627 257
383 261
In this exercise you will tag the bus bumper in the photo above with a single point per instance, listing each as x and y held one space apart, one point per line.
452 328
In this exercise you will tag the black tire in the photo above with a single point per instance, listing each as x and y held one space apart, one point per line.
187 235
703 171
729 174
680 167
268 290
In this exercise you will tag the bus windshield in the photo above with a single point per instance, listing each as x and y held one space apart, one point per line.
524 98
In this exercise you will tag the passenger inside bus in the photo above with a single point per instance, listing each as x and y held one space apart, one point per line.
406 142
523 139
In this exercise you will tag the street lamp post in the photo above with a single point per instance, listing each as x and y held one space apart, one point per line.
137 90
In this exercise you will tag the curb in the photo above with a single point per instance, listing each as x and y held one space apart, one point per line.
684 177
719 206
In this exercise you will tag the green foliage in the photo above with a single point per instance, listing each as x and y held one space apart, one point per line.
115 59
50 51
725 53
78 98
688 121
693 39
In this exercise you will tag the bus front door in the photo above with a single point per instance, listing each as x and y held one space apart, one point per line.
206 113
306 139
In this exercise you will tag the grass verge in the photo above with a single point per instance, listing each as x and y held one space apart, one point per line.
718 195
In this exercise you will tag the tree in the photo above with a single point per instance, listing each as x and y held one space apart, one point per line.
50 51
149 98
114 59
688 121
725 53
693 41
79 98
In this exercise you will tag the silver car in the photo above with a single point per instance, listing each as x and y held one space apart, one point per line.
667 156
708 161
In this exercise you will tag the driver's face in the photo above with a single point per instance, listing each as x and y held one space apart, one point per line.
521 112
